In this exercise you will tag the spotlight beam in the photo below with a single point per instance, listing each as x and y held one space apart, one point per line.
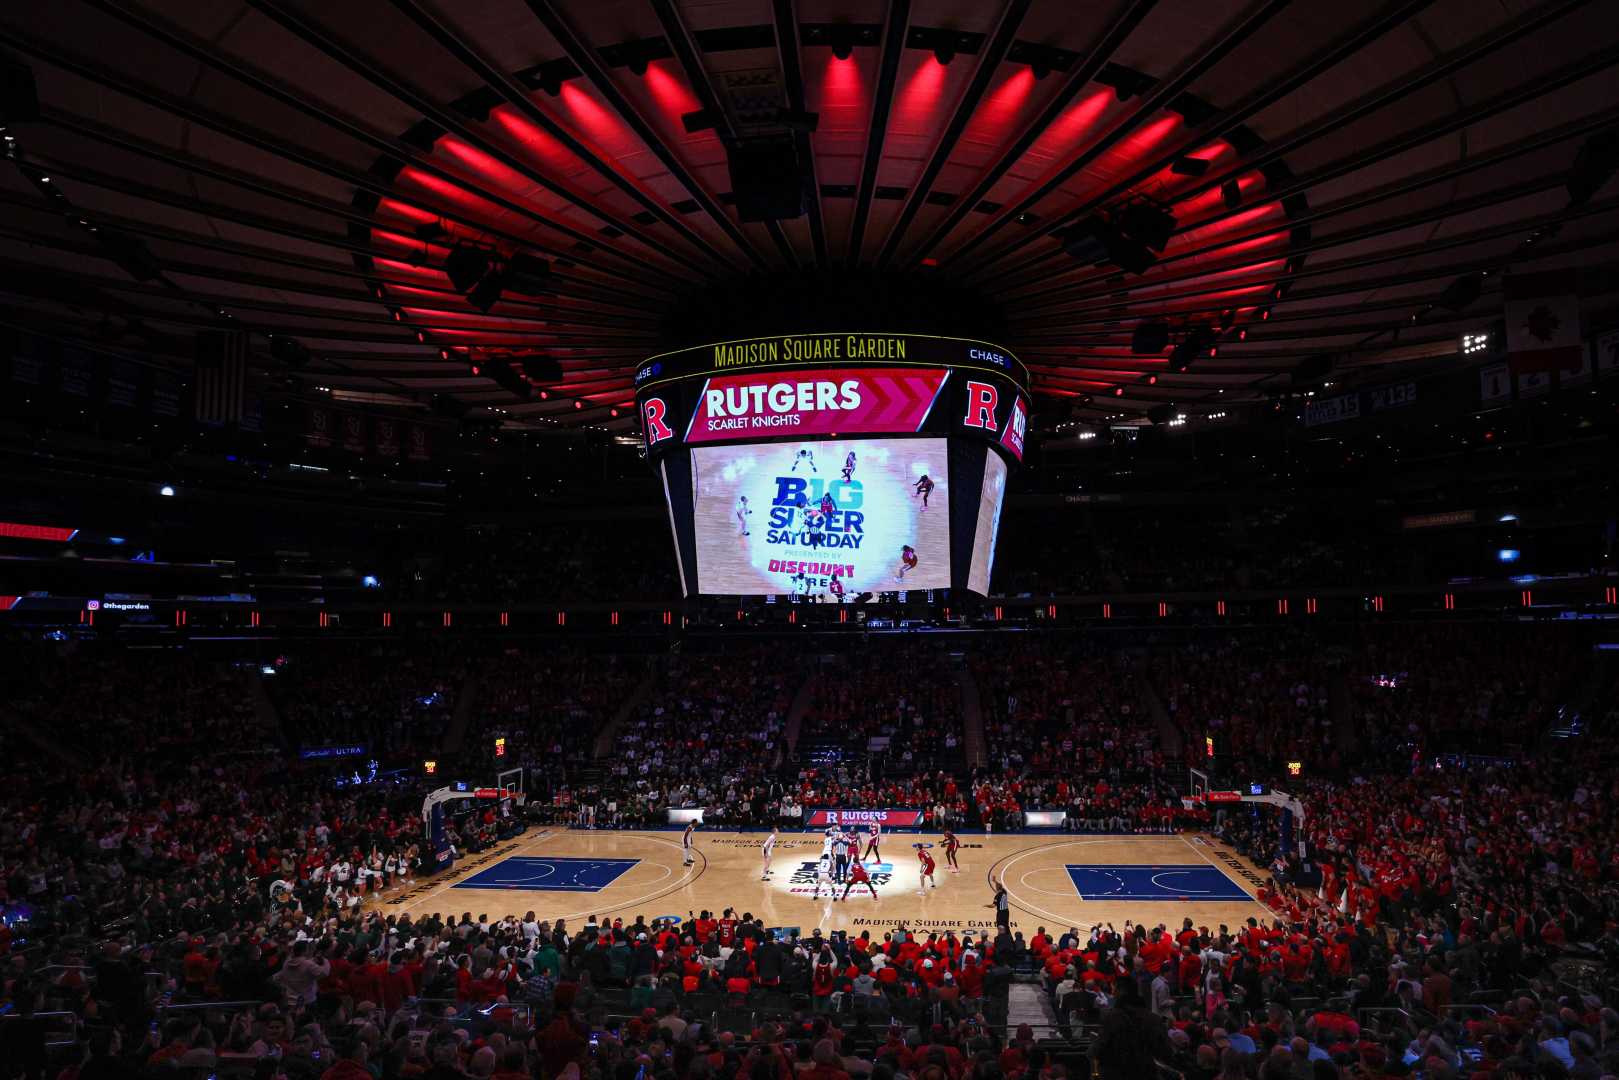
1084 72
1396 15
899 13
988 63
588 63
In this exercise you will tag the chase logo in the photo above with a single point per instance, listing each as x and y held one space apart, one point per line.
992 357
647 372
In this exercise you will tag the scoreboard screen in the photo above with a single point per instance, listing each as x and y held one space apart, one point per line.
788 517
834 464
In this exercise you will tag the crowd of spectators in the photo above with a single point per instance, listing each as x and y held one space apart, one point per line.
897 700
709 733
1423 690
1264 700
550 705
185 856
1066 727
396 699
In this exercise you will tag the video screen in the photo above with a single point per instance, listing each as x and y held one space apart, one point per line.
988 529
826 520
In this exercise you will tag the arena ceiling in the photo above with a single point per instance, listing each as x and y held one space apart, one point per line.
305 169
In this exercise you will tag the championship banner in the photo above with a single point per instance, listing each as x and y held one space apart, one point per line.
888 819
812 403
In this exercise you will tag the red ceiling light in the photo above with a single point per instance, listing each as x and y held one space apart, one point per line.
1214 350
476 370
1264 313
1152 380
545 395
1118 391
577 404
1242 334
613 412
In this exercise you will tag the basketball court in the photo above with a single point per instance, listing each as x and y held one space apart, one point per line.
1055 881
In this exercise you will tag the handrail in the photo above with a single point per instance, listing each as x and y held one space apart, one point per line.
190 1005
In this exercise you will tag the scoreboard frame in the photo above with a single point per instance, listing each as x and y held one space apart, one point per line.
834 386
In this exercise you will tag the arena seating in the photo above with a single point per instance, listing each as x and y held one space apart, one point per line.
397 700
710 734
550 705
900 698
151 863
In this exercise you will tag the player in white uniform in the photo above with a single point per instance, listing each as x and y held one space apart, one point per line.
804 457
685 842
823 876
742 515
768 850
826 842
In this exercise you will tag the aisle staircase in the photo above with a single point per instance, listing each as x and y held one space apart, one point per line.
795 718
1342 715
972 720
1028 1003
264 710
466 701
633 701
1169 736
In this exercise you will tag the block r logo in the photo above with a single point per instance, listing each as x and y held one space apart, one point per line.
981 401
656 429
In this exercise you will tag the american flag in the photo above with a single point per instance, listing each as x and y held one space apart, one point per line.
221 360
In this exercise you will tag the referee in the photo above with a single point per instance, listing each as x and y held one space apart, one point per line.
1002 905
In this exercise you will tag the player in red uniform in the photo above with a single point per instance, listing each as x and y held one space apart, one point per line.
907 562
950 846
927 871
924 488
858 876
828 507
871 845
835 587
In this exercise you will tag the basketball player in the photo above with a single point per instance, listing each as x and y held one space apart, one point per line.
876 831
685 842
823 876
848 467
768 850
813 521
804 457
858 876
907 562
926 879
950 846
742 515
835 587
828 507
826 842
924 488
797 504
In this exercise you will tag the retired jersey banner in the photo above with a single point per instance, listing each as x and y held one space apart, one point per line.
808 403
888 819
